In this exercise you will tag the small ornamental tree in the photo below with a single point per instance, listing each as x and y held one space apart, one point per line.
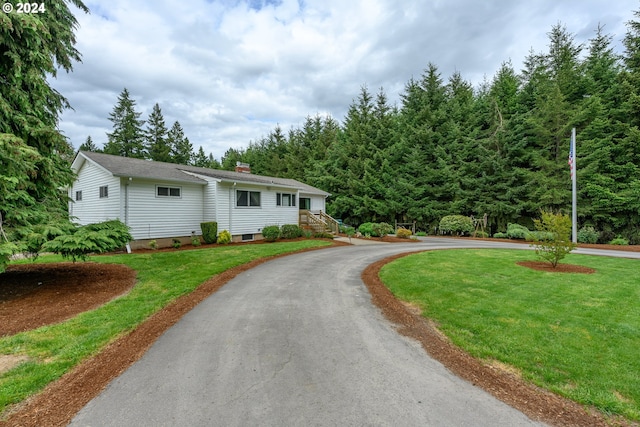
553 242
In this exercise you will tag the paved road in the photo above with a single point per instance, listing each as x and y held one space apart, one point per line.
295 341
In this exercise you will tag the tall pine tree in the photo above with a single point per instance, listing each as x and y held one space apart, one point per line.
127 138
156 141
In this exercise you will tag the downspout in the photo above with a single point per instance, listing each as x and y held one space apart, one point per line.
126 208
126 201
231 201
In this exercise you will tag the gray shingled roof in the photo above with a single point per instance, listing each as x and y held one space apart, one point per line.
139 168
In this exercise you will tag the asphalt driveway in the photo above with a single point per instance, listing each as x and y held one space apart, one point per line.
295 341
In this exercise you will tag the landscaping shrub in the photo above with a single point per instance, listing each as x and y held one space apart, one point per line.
481 234
456 224
92 238
153 245
500 236
517 231
323 235
403 233
176 243
366 229
209 231
195 240
536 236
290 231
421 234
271 233
381 229
224 237
619 241
587 235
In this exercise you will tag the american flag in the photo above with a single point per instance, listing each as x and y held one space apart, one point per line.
571 157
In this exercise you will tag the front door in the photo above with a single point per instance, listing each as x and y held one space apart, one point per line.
305 203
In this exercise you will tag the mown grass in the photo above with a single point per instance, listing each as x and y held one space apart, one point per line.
575 334
162 277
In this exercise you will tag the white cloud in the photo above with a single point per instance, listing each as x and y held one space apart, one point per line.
230 70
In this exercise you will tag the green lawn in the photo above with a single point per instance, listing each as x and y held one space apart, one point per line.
162 277
575 334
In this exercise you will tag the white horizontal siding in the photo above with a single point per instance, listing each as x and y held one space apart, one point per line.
317 202
152 217
223 199
92 208
251 220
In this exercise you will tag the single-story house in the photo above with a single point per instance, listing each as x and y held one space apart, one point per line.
160 200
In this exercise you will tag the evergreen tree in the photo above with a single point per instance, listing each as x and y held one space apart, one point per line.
156 140
200 159
127 138
88 145
34 155
181 148
230 158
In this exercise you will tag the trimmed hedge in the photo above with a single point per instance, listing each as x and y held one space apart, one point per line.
209 231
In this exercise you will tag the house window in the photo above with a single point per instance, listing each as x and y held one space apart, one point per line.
247 198
104 191
78 196
285 199
168 191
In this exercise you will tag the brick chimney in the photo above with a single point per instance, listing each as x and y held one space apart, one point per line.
243 167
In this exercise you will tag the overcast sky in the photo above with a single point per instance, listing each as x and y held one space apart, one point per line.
231 70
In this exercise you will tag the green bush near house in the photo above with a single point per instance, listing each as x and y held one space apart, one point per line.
290 231
271 233
92 238
224 237
209 231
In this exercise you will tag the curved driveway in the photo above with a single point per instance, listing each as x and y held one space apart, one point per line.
296 342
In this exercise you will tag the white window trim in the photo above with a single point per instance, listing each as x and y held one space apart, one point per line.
248 206
168 195
280 198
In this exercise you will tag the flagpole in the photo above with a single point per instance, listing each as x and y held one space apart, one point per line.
574 194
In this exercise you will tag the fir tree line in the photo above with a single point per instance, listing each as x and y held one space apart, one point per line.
499 149
131 138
